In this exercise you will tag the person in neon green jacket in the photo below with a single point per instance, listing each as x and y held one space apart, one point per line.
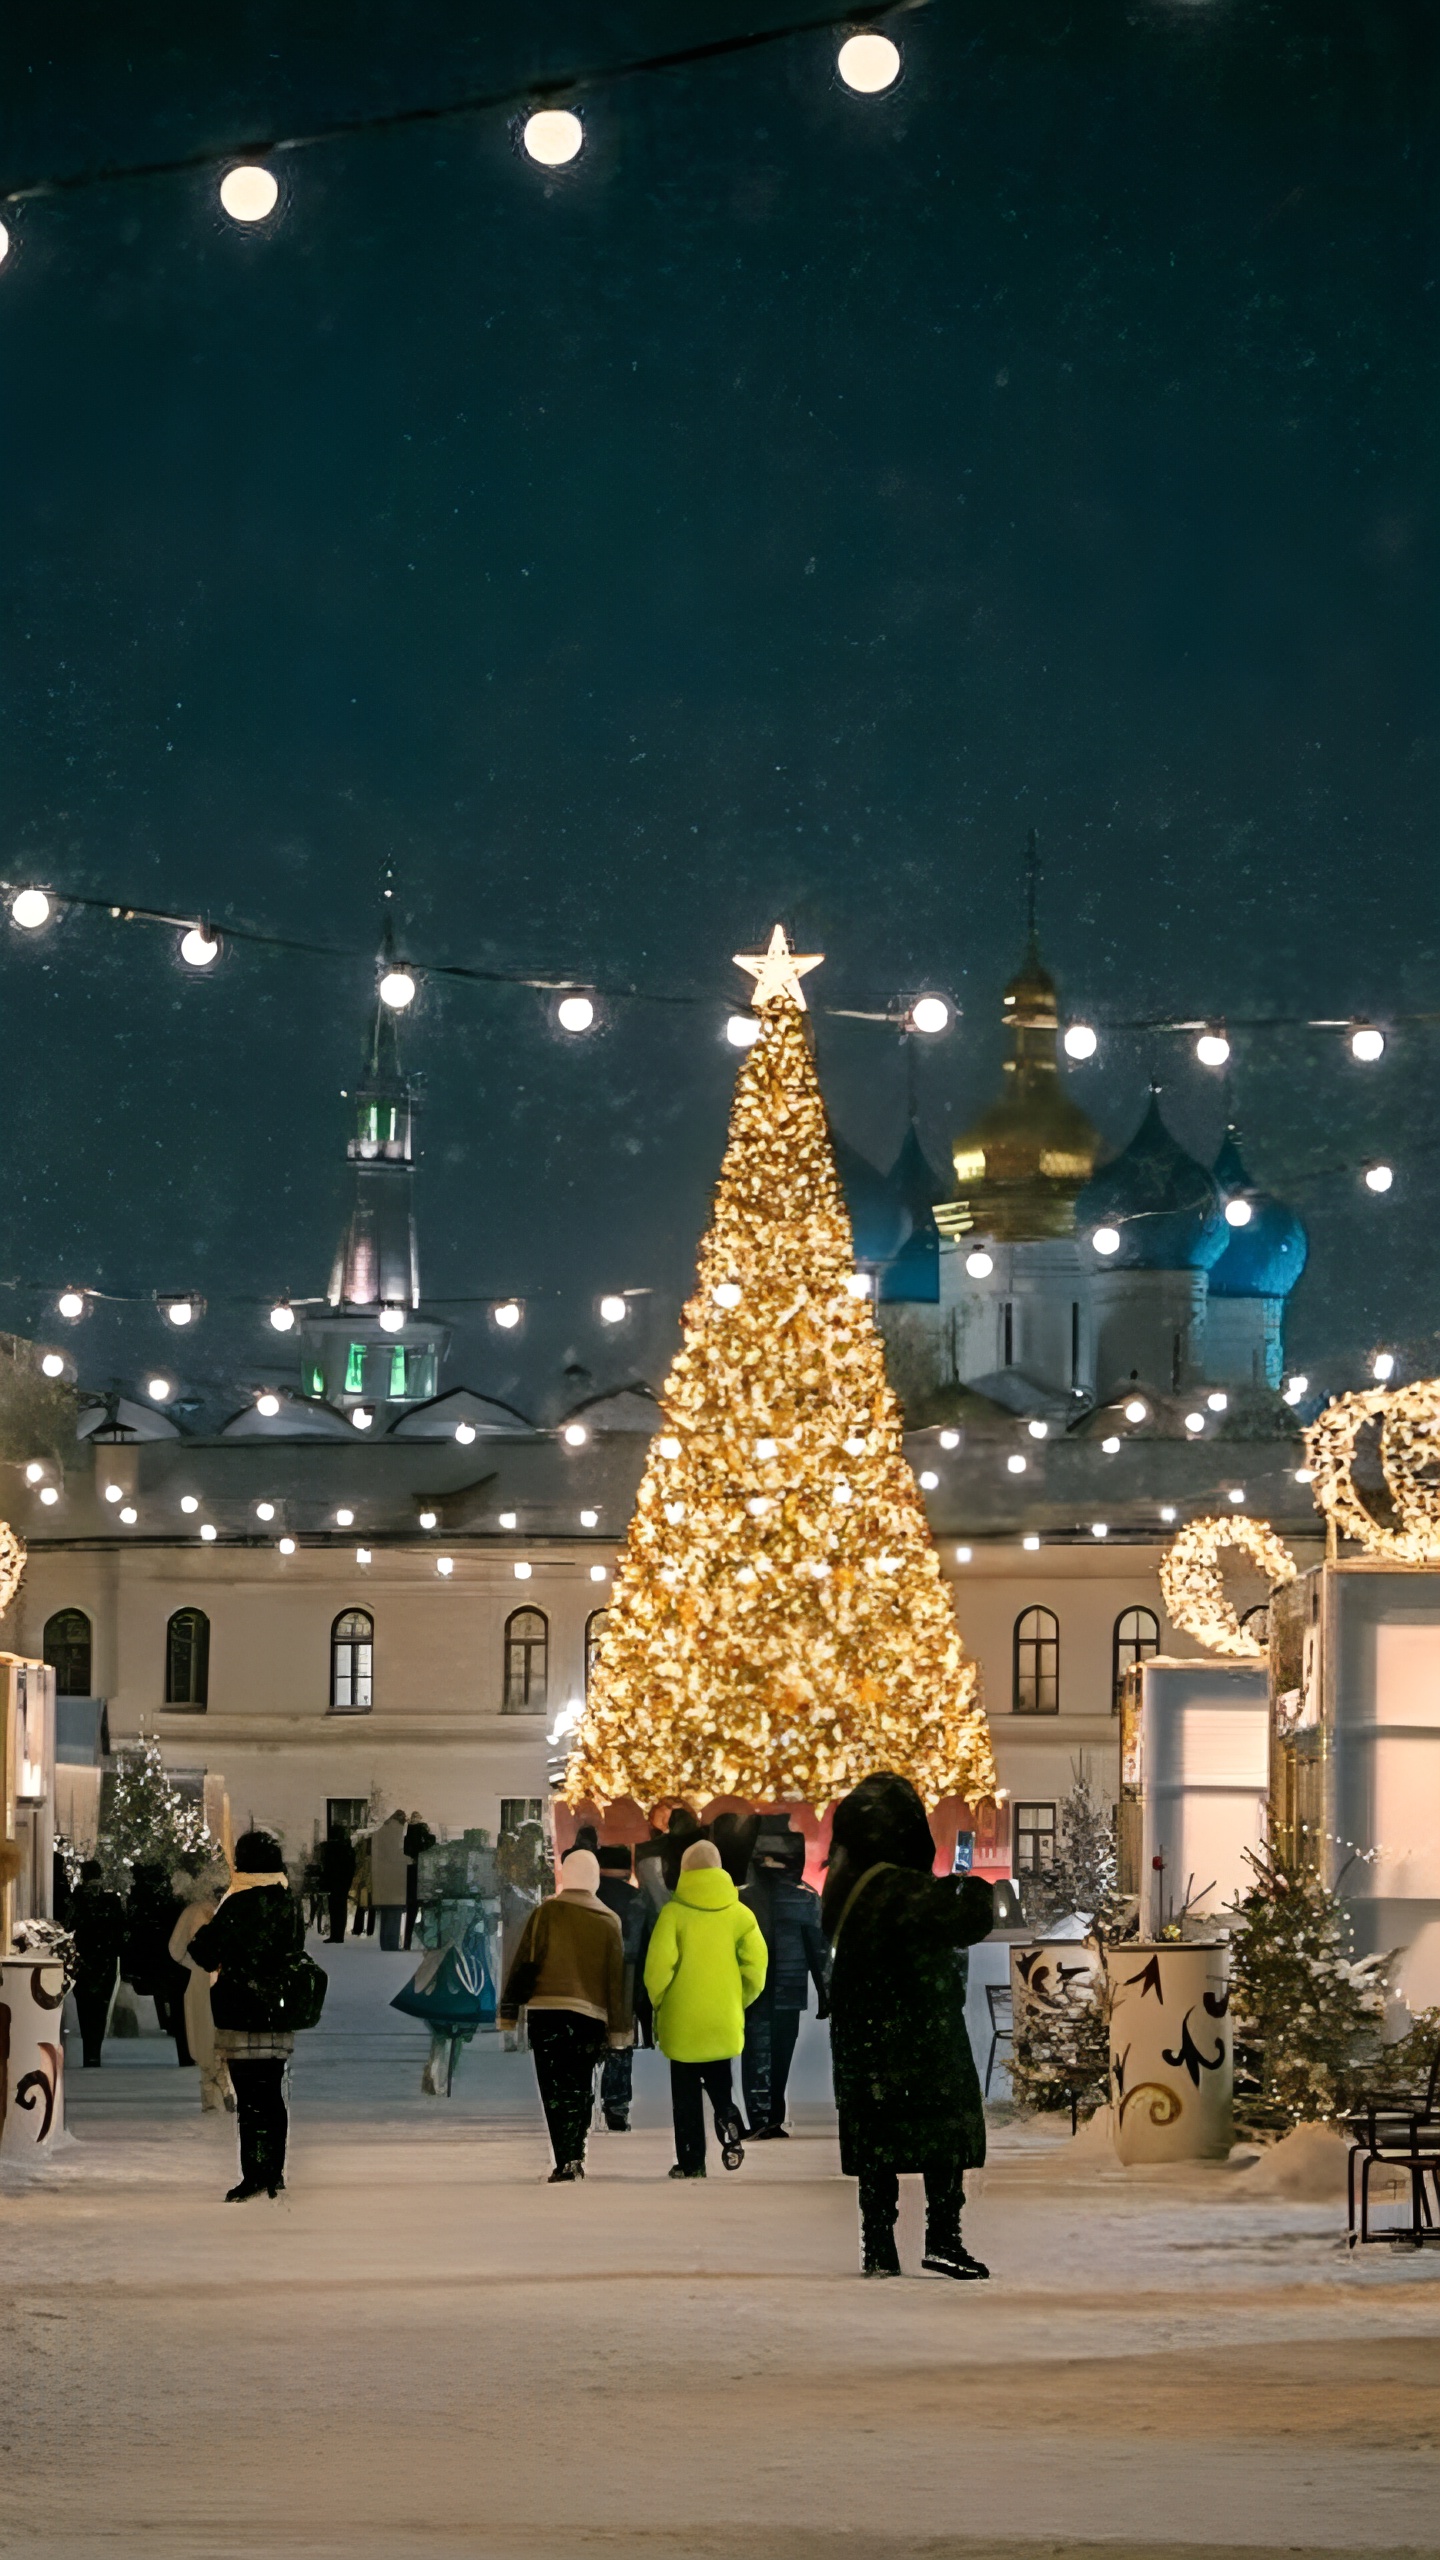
706 1963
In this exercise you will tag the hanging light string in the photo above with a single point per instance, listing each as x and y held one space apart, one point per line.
531 94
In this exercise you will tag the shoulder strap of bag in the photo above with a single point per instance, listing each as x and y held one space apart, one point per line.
853 1896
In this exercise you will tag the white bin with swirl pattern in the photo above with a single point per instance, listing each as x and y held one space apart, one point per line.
32 2062
1172 2060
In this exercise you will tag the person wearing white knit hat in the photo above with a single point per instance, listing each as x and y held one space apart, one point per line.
568 1974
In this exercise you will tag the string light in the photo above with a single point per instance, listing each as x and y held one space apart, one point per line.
1099 1528
1296 1388
575 1013
929 1481
1217 1400
509 1519
429 1520
1192 1588
1080 1040
264 1510
48 1494
159 1390
392 1319
35 1472
1137 1410
71 1305
507 1314
964 1555
1167 1512
30 909
464 1433
1383 1366
613 1310
589 1519
1367 1044
1016 1464
1212 1049
742 1030
445 1565
129 1515
523 1570
1111 1446
979 1263
286 1546
282 1317
268 1404
189 1502
859 1283
52 1365
553 136
1378 1177
362 1555
949 1439
209 1532
1194 1421
249 194
929 1015
199 949
597 1573
362 1417
397 989
868 63
1237 1493
575 1435
179 1311
344 1519
1037 1429
1106 1240
114 1493
1238 1213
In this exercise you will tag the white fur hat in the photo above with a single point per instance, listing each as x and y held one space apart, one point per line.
580 1872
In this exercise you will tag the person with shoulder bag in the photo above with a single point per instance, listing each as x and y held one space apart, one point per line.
266 1991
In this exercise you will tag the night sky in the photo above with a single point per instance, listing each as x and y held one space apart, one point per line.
775 514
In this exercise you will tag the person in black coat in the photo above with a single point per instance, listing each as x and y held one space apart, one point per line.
622 1896
97 1922
789 1915
337 1874
252 1944
150 1916
418 1838
905 2079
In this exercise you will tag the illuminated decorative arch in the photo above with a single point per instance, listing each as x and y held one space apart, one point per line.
1194 1591
1409 1419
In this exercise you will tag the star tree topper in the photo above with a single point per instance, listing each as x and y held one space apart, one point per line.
777 971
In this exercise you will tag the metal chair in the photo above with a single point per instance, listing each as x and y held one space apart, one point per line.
1398 2132
1001 2004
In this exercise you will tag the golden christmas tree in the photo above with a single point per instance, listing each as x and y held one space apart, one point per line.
779 1625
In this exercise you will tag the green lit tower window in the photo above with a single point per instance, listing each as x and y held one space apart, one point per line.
314 1378
397 1372
355 1369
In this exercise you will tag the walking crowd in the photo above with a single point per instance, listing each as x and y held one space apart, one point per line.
706 1944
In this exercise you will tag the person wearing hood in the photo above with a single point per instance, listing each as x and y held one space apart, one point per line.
905 2080
97 1922
568 1975
265 1987
706 1962
622 1895
200 1894
788 1911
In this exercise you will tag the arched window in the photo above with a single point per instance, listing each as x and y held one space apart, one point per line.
187 1659
1136 1637
1037 1663
595 1626
352 1663
527 1660
66 1647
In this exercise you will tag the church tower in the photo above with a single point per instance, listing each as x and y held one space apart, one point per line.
372 1350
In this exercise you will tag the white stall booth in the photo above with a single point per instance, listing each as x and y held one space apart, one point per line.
1194 1780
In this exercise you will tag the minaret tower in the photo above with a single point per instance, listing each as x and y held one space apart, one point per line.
373 1349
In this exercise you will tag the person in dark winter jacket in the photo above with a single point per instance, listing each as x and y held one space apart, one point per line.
418 1838
905 2080
568 1975
337 1874
151 1912
252 1945
97 1921
621 1895
789 1915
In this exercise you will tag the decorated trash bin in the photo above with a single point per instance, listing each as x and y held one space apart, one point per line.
32 2061
1172 2061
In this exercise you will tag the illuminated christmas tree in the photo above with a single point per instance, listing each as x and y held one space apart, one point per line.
779 1625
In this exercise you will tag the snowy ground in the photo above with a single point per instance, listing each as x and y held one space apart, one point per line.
423 2350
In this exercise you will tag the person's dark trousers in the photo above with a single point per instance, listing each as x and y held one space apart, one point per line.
755 2062
93 1995
260 2117
944 2195
566 2047
391 1916
339 1907
364 1920
617 2078
412 1906
170 2009
784 2034
690 2084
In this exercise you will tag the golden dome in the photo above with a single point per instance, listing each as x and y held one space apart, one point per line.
1022 1166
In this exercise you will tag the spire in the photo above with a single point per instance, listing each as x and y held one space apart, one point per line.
377 1263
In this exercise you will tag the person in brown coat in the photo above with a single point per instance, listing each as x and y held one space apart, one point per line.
568 1975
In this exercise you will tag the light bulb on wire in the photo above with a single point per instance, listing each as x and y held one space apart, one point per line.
30 908
52 1365
868 63
198 948
392 1319
1378 1177
743 1030
1382 1367
249 194
553 136
930 1014
613 1310
268 1403
1366 1043
1212 1049
71 1305
397 989
575 1013
979 1263
1106 1240
282 1316
507 1314
1080 1041
1238 1213
159 1390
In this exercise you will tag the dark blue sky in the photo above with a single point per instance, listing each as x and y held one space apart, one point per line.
775 514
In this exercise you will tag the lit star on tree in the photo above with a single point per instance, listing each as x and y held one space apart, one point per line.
777 971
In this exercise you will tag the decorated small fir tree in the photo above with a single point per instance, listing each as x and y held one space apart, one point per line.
1061 2054
147 1818
1084 1873
779 1626
1307 2016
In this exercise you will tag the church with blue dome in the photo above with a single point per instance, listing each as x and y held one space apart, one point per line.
1055 1277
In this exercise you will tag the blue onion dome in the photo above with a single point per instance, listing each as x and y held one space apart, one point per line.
1265 1258
913 1274
1162 1201
879 1217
